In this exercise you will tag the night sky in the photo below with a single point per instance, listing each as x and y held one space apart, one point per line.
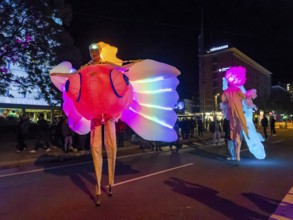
167 31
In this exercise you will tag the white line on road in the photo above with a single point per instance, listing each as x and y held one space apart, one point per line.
153 174
277 141
42 169
285 209
63 166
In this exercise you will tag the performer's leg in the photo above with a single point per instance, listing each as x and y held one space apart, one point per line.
238 141
96 148
237 147
231 150
111 148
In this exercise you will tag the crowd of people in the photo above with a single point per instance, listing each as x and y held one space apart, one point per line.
48 135
58 133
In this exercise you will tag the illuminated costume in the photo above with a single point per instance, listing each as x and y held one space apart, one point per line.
141 94
237 105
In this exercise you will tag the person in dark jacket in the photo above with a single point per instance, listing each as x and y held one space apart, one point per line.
22 132
42 135
265 124
199 126
272 125
120 130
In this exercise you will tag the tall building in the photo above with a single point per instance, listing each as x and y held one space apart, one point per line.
213 67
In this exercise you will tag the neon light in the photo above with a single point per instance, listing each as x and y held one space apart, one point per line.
156 106
147 80
72 70
152 119
155 91
218 48
223 69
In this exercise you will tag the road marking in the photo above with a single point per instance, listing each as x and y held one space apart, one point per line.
153 174
285 209
277 141
42 169
68 165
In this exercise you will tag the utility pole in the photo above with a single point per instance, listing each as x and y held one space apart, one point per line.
201 68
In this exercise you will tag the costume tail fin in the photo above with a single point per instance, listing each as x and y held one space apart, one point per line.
151 115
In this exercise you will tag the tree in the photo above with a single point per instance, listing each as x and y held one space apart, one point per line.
33 37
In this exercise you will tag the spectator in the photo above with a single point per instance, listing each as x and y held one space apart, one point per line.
177 143
120 130
53 131
58 135
192 126
216 129
272 125
199 126
265 124
184 128
82 140
42 134
22 133
67 135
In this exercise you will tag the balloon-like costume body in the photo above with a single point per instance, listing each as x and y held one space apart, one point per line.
142 94
237 106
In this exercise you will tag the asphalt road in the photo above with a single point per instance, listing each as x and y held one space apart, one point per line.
195 183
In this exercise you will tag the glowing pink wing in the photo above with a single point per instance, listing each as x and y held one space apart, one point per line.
151 115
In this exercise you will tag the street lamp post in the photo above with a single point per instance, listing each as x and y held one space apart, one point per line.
216 101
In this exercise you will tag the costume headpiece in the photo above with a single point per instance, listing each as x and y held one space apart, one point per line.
236 75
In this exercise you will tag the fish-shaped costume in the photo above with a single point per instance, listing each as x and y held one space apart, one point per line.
142 94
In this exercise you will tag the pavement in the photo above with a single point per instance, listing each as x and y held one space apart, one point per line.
10 158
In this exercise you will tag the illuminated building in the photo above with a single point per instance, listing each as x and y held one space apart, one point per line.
13 103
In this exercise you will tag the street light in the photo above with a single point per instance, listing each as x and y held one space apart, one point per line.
216 101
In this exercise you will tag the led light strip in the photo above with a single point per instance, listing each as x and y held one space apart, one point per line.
147 80
152 119
156 106
154 91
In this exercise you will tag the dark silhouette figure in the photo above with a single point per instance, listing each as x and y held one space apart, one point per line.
199 126
22 132
42 134
272 125
265 124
